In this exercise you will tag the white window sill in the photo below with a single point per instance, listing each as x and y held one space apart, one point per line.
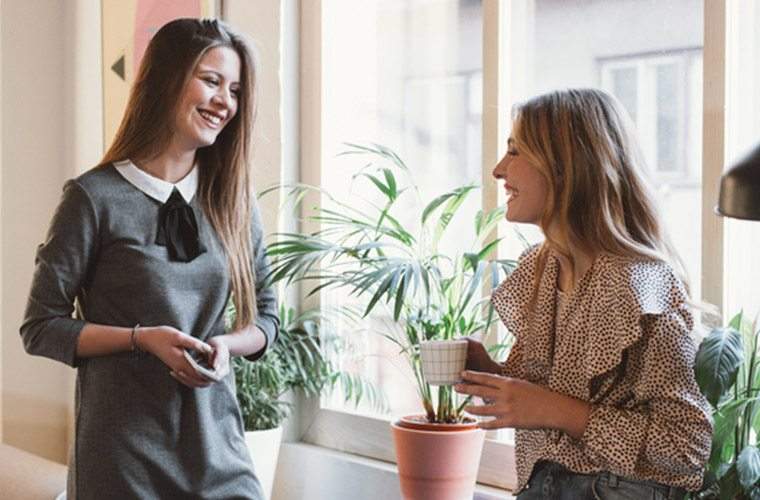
306 471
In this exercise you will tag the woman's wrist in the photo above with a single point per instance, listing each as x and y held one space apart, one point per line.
142 338
497 368
243 342
568 414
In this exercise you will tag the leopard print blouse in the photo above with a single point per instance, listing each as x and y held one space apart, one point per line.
622 342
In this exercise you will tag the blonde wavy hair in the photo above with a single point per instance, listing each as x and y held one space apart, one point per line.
225 187
582 142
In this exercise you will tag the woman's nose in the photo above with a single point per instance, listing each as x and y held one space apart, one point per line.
223 97
500 169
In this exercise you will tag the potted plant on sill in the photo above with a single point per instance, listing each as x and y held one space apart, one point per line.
727 369
370 253
298 361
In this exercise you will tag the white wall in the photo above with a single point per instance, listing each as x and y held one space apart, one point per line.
36 392
1 222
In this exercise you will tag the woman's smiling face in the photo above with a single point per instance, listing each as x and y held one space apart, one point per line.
526 187
209 100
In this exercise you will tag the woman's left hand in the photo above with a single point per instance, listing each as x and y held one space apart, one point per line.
522 405
219 359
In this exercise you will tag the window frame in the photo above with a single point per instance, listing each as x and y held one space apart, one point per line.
502 29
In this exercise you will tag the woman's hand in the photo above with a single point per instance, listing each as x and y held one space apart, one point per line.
523 405
168 344
478 358
220 356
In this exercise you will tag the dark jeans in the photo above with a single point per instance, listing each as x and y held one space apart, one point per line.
553 481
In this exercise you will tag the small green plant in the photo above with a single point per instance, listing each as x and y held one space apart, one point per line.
728 374
365 249
298 361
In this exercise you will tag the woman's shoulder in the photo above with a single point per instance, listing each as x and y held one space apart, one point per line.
516 287
651 285
529 256
97 179
102 185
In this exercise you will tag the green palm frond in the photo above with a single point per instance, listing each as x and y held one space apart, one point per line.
387 257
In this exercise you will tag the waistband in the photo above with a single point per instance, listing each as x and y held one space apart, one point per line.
556 470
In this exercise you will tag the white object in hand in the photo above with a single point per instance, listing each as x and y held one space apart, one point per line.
443 361
209 374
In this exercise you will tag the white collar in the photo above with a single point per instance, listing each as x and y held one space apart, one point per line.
156 188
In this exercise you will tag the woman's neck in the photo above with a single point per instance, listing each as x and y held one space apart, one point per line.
571 270
171 165
572 267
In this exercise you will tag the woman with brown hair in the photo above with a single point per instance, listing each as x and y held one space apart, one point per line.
151 244
599 383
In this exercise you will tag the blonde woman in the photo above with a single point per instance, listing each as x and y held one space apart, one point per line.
599 383
150 244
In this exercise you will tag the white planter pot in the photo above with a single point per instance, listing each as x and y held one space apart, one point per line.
264 447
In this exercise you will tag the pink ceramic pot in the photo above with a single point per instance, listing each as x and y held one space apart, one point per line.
437 465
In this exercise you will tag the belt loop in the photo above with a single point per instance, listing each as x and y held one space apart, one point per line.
613 480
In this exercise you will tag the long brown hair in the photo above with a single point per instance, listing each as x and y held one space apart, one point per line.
582 141
147 128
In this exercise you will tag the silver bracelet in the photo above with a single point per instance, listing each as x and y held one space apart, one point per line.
133 338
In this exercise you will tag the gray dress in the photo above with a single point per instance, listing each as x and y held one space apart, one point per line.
139 433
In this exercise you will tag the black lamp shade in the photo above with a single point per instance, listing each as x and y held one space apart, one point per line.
740 188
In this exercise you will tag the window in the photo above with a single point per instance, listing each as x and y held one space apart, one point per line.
661 93
412 74
413 85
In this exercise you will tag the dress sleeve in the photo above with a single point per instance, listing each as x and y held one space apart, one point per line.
267 318
61 267
670 428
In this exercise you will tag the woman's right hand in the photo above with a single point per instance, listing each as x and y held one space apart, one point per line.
478 359
168 344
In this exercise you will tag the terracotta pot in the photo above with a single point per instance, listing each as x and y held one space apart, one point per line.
440 464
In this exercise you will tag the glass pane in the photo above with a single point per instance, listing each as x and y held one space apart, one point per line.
624 86
742 238
405 74
575 43
668 131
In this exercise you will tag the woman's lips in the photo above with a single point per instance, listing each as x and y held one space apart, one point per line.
512 193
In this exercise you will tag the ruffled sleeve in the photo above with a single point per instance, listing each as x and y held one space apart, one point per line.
668 428
510 299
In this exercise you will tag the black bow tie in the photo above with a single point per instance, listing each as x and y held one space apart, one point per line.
178 230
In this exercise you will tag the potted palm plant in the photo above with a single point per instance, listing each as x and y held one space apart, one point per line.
728 373
298 361
366 250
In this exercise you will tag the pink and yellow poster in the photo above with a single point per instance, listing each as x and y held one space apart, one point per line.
128 26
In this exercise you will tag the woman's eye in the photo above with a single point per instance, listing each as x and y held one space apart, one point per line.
235 93
211 81
512 152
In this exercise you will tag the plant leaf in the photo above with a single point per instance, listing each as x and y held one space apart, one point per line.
718 359
730 487
748 466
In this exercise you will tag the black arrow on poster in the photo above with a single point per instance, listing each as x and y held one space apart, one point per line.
118 67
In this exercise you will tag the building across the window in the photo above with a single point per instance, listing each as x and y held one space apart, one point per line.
658 91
